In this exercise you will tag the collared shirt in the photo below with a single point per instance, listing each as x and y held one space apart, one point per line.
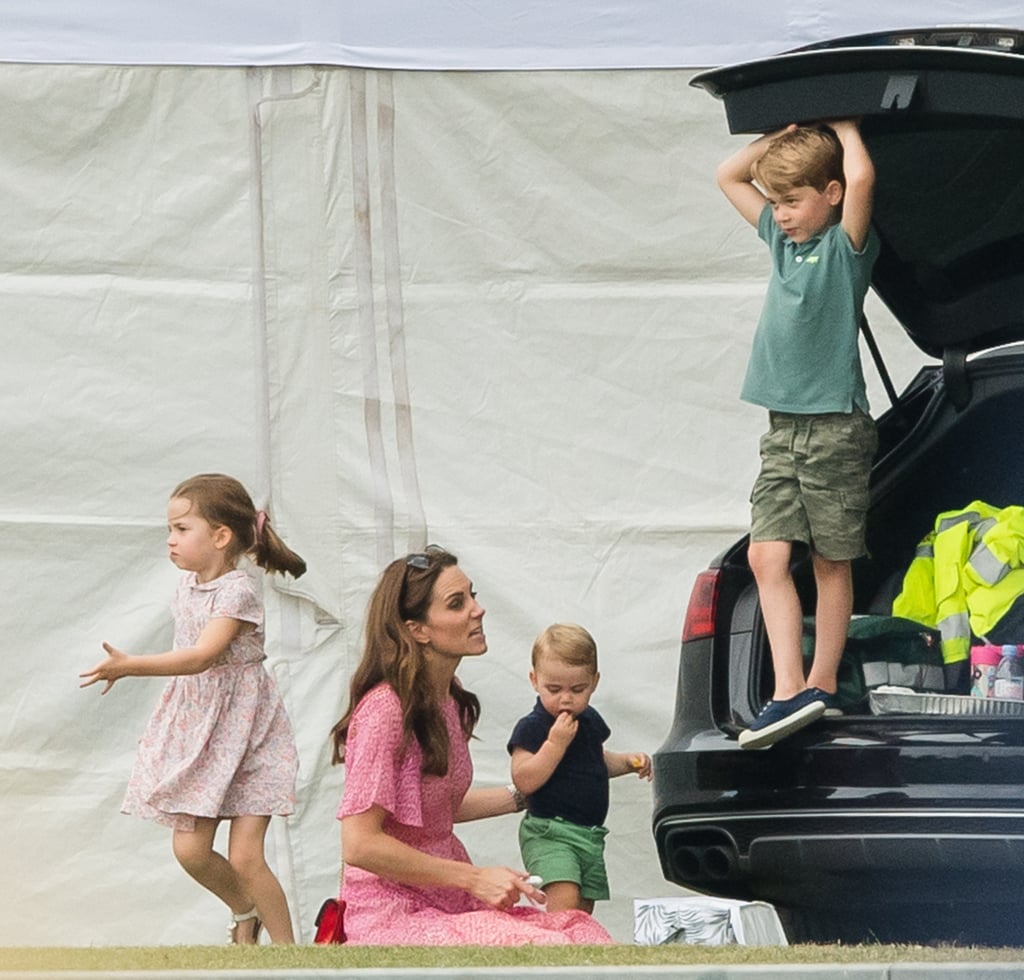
805 357
578 788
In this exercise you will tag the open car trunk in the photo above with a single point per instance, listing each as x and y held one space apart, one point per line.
943 119
933 458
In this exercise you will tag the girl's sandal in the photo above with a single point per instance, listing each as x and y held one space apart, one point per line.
253 913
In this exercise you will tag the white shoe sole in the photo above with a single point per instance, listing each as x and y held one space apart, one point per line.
770 734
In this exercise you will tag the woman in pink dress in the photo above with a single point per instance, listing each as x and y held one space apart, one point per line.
404 741
219 745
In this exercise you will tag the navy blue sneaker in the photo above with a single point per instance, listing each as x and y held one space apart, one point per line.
777 719
831 702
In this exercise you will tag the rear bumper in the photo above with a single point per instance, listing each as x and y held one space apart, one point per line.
861 812
848 858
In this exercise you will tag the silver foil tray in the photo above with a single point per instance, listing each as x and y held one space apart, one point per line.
902 701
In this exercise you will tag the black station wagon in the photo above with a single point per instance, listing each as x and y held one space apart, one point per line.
902 820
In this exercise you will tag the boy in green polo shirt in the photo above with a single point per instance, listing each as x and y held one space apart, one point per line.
811 204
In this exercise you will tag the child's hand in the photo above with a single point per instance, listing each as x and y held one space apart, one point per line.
563 731
640 763
109 670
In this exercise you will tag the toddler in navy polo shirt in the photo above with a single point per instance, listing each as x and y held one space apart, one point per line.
560 765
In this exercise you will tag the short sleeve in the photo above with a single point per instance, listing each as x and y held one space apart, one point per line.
856 266
237 598
378 772
601 729
529 734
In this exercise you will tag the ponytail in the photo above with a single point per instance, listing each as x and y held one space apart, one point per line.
223 501
270 552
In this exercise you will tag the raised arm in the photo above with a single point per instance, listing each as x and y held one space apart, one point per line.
859 172
737 182
213 641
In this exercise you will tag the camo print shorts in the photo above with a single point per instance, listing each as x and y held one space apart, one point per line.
813 484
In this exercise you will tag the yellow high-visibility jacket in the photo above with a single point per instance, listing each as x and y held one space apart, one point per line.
966 574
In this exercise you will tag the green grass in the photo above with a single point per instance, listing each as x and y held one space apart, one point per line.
111 958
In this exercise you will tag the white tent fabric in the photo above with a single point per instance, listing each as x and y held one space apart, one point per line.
504 312
452 34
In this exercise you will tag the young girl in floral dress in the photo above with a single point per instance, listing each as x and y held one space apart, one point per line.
219 745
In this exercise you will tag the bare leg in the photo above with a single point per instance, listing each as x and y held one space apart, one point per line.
195 853
564 895
835 604
783 617
245 853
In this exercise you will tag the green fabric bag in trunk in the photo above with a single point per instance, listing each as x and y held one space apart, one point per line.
883 650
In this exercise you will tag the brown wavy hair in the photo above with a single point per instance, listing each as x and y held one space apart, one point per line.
222 501
392 656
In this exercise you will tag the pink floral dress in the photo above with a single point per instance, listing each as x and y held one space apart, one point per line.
219 743
420 813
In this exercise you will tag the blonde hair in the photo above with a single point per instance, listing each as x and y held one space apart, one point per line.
222 501
567 642
808 156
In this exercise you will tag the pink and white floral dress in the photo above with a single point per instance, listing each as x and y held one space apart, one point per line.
420 813
219 743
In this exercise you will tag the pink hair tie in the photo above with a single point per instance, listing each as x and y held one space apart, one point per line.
261 520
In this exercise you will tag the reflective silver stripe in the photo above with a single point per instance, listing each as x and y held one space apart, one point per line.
955 627
985 526
919 676
946 523
925 550
988 567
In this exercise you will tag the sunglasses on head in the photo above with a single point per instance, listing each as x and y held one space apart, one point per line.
422 559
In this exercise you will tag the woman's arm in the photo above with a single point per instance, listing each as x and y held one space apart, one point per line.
365 844
480 803
213 641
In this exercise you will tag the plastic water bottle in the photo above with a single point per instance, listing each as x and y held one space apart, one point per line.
1009 682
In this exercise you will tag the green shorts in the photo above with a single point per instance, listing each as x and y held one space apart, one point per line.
558 850
813 484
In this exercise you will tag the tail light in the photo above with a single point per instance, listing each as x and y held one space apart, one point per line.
700 613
